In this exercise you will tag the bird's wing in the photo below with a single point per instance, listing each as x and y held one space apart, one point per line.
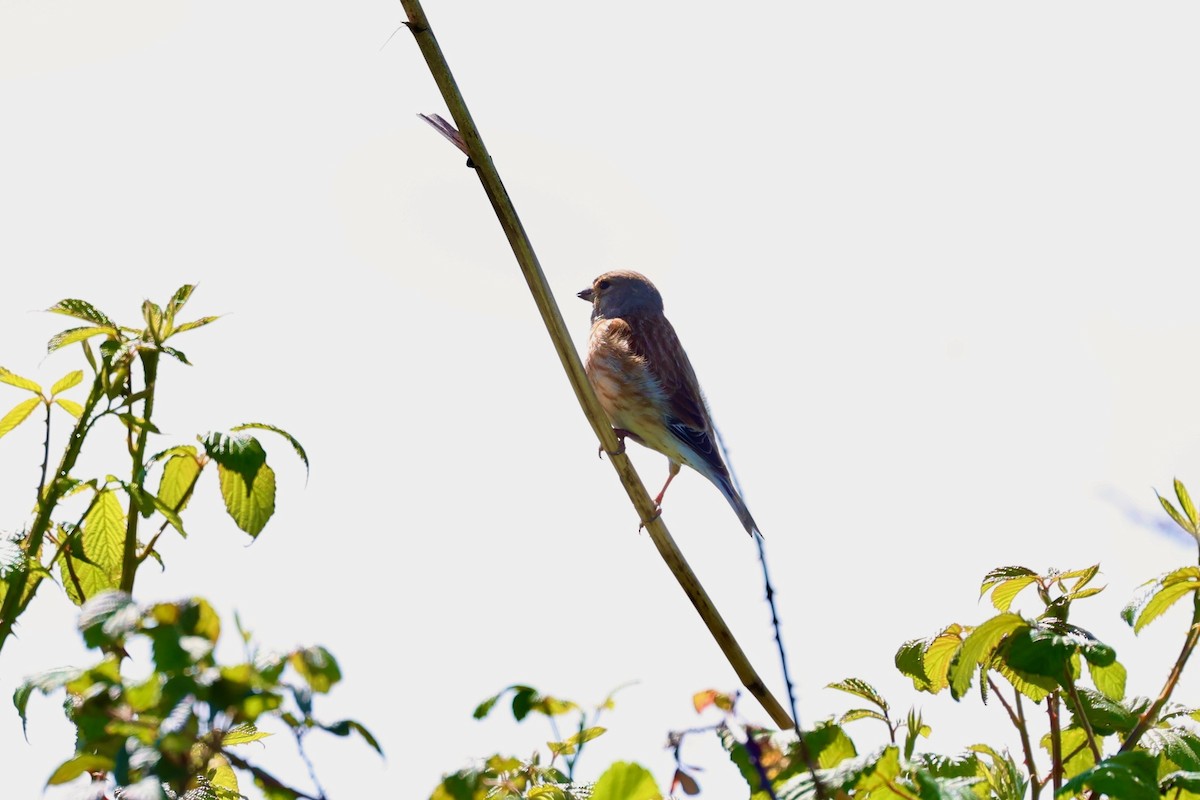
653 338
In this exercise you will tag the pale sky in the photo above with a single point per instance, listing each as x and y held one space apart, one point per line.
935 264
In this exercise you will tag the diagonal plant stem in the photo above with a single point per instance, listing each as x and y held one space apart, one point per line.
481 160
1146 720
1017 718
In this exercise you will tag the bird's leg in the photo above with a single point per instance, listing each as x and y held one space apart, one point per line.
670 477
621 433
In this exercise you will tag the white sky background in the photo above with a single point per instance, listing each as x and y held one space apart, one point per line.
935 265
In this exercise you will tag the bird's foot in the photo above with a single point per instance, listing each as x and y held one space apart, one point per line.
621 434
656 515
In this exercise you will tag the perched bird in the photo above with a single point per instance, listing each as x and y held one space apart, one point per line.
647 385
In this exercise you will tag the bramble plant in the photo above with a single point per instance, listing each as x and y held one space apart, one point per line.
1092 742
170 733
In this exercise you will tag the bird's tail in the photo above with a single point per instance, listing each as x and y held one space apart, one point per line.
739 505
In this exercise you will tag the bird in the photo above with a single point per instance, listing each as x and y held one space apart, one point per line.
647 386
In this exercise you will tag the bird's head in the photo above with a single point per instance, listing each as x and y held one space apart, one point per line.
622 293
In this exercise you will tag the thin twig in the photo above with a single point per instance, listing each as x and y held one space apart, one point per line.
1077 706
481 160
1056 765
1018 720
268 780
312 770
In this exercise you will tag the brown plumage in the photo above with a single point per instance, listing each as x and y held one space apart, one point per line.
647 385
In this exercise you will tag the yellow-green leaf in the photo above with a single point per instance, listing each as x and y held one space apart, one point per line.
1175 515
978 647
102 541
939 655
1110 680
68 337
1006 592
196 323
222 777
1164 592
626 781
1185 502
242 734
250 507
179 478
18 414
13 379
66 382
70 406
73 768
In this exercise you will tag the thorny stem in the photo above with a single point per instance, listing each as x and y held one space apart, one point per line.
1150 716
19 592
1018 720
1056 766
467 137
45 453
805 753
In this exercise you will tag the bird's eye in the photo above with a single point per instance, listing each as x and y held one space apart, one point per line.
603 285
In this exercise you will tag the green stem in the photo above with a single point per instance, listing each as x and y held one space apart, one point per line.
129 556
20 590
45 452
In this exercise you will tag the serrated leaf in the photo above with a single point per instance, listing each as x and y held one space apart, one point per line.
44 682
102 542
1106 716
1175 515
243 734
180 473
1180 780
196 323
1083 576
1077 756
178 355
292 440
1129 776
1185 503
18 414
70 406
82 309
73 335
860 688
861 713
978 647
1000 574
940 655
1006 591
1110 680
66 382
241 454
250 507
1177 744
13 379
1159 595
626 781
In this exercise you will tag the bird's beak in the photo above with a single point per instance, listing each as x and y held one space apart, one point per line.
586 294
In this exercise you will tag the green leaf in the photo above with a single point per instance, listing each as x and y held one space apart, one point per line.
153 315
861 713
1178 744
82 309
626 781
318 667
1128 776
107 618
1185 503
180 472
1036 651
860 688
178 355
243 734
66 382
1175 515
178 301
346 726
70 406
45 682
1077 756
291 439
932 788
73 335
240 454
1001 574
79 765
197 323
978 648
1180 781
1106 716
13 379
1006 591
103 543
18 414
1110 679
1159 595
250 508
569 745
